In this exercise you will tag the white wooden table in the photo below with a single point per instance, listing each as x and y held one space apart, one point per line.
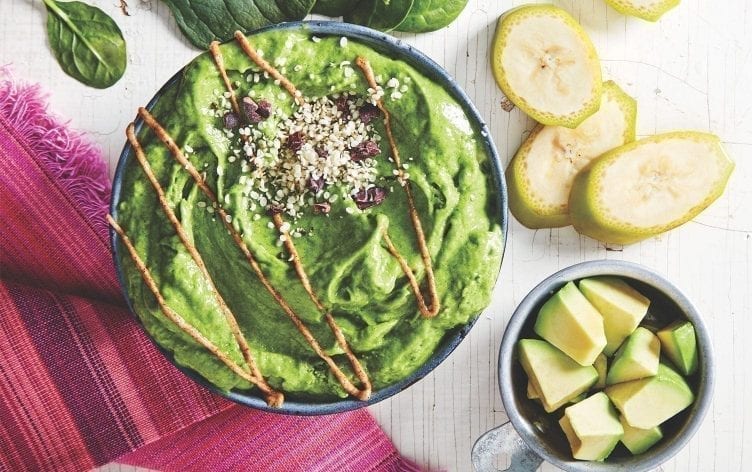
692 70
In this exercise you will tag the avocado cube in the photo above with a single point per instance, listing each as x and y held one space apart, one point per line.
621 306
648 402
592 428
601 366
568 321
637 358
639 440
679 343
556 377
532 393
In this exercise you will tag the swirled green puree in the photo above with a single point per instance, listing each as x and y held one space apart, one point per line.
342 250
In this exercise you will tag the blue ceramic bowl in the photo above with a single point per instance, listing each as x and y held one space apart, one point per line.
542 438
394 48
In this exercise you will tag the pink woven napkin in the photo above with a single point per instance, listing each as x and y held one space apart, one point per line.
80 384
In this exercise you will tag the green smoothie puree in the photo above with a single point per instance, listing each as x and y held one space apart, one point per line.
321 161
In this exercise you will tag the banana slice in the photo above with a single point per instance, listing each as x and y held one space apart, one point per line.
546 65
541 173
649 10
649 186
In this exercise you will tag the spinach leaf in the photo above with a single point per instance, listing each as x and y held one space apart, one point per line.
430 15
334 7
87 43
384 15
203 21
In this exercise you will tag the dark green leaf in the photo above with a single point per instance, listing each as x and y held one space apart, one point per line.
86 42
384 15
203 21
430 15
334 7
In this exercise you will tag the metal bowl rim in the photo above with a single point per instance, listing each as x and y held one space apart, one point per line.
703 396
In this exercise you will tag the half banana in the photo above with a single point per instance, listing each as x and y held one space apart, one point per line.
649 186
546 65
541 173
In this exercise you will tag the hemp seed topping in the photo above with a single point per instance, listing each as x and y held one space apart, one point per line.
301 163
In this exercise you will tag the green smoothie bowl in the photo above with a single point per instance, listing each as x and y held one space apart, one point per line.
308 219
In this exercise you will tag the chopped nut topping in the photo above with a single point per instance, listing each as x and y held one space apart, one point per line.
231 120
264 108
250 110
364 150
295 141
316 185
368 112
368 197
322 208
343 105
321 152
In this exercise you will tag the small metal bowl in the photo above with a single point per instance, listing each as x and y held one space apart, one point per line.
394 48
533 436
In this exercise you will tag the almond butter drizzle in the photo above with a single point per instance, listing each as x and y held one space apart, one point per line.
220 63
195 255
435 306
162 134
253 55
339 336
273 398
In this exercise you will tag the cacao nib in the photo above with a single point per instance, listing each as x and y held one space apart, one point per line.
231 120
366 198
316 185
249 106
343 104
264 109
364 150
295 141
321 152
250 110
274 209
322 208
368 112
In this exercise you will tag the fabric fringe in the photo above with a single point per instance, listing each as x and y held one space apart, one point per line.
68 156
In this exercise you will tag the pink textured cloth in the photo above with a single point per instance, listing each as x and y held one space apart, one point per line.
80 384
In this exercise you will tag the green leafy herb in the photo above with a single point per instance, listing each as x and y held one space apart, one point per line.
87 43
203 21
430 15
334 7
384 15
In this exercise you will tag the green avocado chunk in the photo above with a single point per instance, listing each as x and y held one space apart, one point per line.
621 306
639 440
637 358
601 365
592 428
554 376
646 403
568 321
532 393
679 343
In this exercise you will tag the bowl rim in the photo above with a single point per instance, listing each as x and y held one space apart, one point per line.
396 48
624 269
